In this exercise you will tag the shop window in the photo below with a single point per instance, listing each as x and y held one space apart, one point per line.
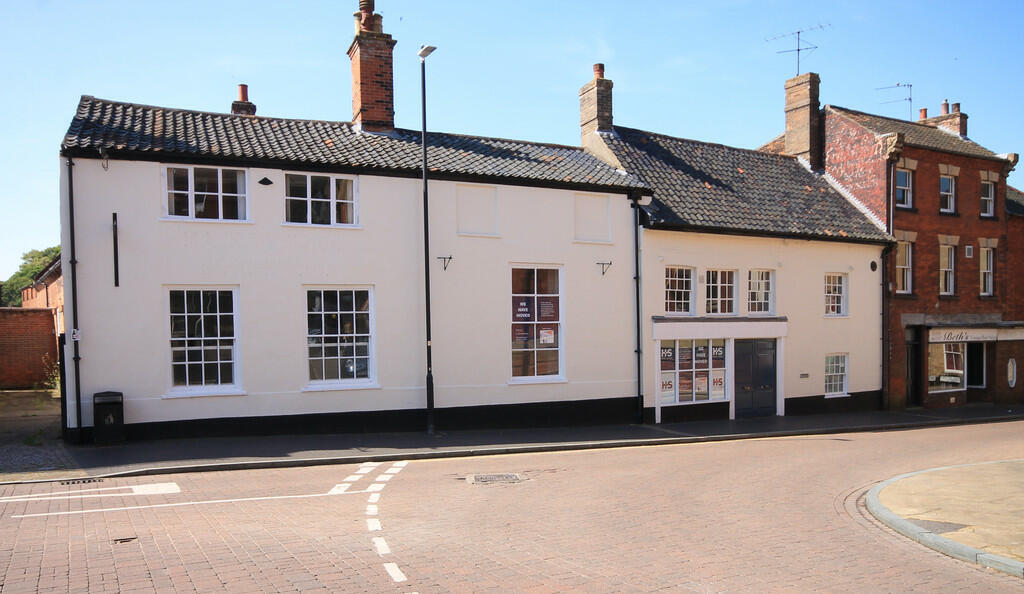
678 290
536 323
693 371
339 330
946 366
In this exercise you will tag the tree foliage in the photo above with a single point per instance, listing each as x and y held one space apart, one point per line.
32 263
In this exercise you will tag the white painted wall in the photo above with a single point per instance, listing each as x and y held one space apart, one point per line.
800 267
125 330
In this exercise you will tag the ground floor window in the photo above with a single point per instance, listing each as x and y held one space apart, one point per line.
693 371
536 323
338 335
946 366
836 374
202 337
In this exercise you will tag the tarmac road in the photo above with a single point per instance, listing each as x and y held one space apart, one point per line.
779 514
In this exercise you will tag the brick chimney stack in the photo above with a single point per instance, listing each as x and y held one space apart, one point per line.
243 106
945 107
955 121
922 114
373 95
596 104
804 134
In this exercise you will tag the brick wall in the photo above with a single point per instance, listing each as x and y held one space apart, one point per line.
1014 280
27 339
50 294
856 159
999 386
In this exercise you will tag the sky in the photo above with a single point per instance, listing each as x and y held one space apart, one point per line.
709 71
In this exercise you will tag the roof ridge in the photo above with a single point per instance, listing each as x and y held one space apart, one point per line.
875 115
706 143
92 98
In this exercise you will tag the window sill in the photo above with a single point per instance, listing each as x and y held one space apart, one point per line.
761 314
679 314
947 391
312 226
986 217
908 296
484 235
945 213
593 241
906 208
835 316
543 379
843 395
950 297
988 297
203 392
208 221
337 387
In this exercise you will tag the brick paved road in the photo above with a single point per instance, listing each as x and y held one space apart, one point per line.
759 515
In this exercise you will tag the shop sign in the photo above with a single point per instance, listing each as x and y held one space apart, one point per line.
962 335
522 309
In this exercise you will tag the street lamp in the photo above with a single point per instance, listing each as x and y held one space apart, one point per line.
426 50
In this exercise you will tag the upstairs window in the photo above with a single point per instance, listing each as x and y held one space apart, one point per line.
320 200
206 193
904 188
760 292
720 292
988 199
986 263
835 294
904 267
947 272
678 290
947 193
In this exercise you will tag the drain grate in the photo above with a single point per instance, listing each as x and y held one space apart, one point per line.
82 481
125 539
486 479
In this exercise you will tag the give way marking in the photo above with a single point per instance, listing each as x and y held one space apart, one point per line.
151 489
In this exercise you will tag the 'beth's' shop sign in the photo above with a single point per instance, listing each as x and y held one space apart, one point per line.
962 335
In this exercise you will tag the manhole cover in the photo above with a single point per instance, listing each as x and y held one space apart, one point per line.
82 481
485 479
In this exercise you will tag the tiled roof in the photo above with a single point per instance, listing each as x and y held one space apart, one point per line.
1014 201
144 131
775 146
915 134
703 185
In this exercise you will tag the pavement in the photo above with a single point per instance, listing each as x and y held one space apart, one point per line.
973 512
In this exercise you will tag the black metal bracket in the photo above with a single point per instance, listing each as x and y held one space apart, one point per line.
604 266
446 260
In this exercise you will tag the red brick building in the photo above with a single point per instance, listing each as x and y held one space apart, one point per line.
47 291
953 307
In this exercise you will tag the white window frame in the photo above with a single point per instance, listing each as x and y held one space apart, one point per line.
339 383
950 195
333 200
718 288
837 289
693 370
756 288
538 379
243 198
227 389
986 267
988 199
947 276
905 272
675 285
832 370
909 189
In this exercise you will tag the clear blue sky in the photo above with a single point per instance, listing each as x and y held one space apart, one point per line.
509 69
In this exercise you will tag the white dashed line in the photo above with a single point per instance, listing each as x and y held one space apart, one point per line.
373 524
376 487
353 478
338 489
365 470
371 510
394 470
384 478
373 498
401 464
395 573
381 545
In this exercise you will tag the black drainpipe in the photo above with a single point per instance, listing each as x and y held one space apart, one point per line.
74 302
634 198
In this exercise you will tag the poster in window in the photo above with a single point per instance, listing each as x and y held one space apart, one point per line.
522 309
668 387
685 354
668 355
700 354
700 385
717 384
718 354
522 336
547 336
547 308
685 386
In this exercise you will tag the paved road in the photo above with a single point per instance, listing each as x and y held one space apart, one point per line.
782 514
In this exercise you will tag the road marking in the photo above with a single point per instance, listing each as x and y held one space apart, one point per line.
394 470
381 545
366 470
353 478
371 510
373 524
395 573
376 487
384 478
151 489
370 464
401 464
374 498
339 489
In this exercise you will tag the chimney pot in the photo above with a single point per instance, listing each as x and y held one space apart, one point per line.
956 108
922 114
598 70
243 92
945 107
243 106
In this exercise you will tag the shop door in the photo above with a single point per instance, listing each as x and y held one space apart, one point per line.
975 365
755 378
913 354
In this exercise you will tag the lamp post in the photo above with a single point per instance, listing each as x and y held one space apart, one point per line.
426 50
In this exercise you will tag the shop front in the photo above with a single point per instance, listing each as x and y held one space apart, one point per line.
961 364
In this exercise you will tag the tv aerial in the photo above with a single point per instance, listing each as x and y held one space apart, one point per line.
802 45
909 98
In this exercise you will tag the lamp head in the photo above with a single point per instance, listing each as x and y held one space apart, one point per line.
425 50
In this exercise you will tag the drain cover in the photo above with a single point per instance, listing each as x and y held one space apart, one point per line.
82 481
485 479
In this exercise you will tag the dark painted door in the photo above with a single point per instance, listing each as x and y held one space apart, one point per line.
976 364
755 377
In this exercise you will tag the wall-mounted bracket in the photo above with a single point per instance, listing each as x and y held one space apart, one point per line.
446 260
604 266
